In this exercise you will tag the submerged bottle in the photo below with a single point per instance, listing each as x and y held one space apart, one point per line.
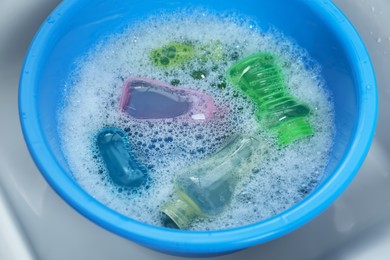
259 77
211 51
206 188
146 99
172 54
121 163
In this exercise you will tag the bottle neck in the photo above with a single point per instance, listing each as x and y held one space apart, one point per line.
243 147
181 212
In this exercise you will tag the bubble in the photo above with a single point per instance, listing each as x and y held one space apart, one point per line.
281 178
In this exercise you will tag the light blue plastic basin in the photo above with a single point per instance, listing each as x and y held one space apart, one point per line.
316 25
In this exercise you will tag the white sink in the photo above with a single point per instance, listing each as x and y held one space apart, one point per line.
35 223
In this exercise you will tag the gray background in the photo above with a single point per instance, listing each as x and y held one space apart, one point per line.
36 224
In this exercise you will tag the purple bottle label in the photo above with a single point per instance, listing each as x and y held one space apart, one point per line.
146 99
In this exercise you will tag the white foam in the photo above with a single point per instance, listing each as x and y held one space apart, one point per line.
91 102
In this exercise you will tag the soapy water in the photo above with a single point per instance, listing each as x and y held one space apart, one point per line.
283 177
